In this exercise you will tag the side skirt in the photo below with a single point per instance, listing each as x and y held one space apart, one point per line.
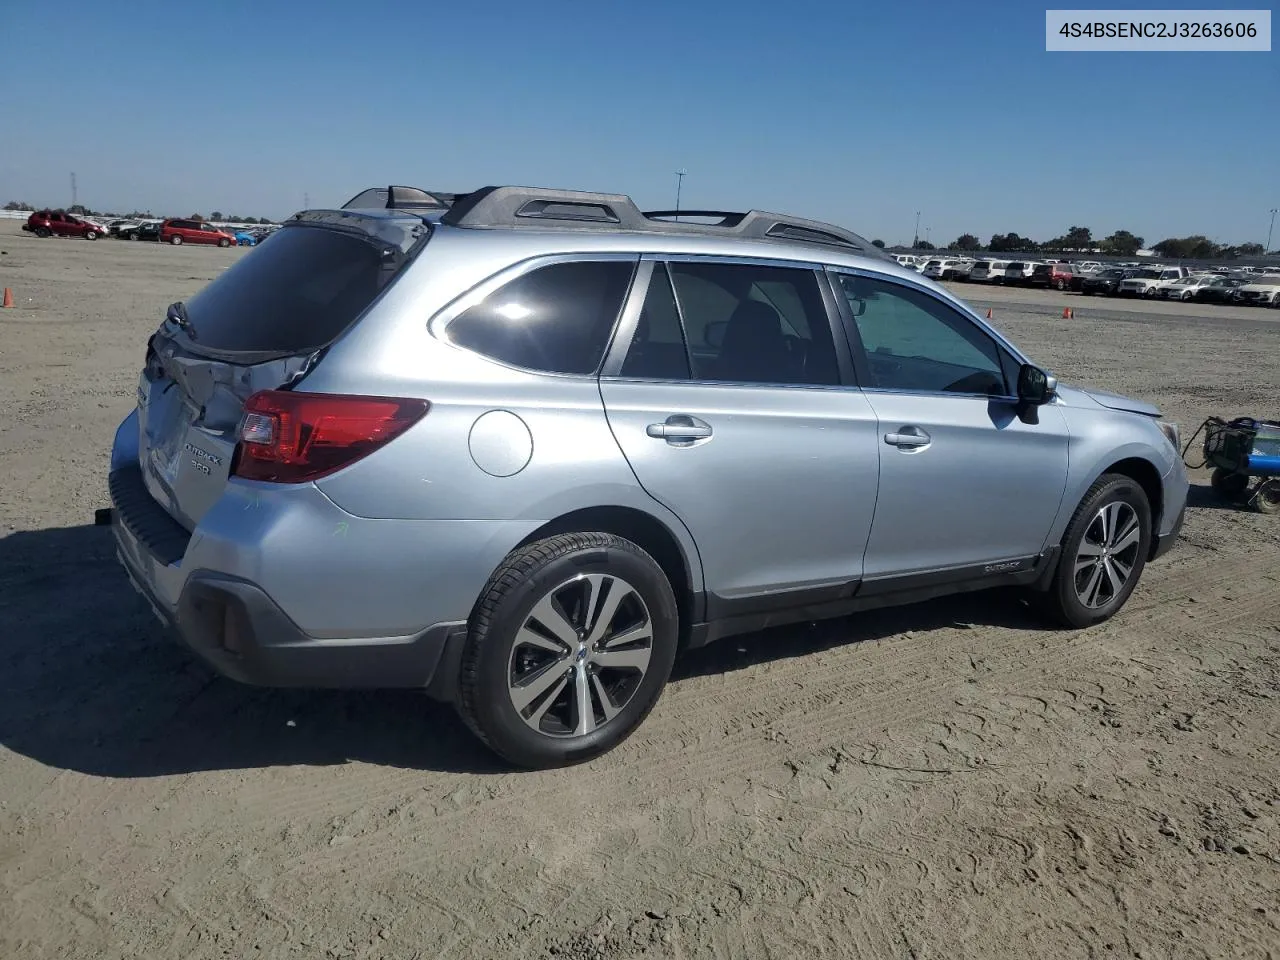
732 616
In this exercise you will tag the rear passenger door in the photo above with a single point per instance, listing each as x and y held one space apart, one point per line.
726 393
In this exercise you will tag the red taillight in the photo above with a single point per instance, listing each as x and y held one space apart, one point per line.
288 437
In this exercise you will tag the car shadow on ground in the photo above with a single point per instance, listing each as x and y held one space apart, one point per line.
90 681
1204 497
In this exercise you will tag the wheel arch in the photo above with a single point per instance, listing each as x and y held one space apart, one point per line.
1146 475
651 535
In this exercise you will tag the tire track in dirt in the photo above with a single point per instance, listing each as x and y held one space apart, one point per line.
739 753
694 704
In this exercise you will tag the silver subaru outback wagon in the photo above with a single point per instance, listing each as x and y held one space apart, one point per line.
521 447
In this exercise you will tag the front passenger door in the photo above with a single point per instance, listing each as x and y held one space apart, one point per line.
964 483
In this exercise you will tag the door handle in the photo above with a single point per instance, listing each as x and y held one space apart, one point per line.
907 437
679 427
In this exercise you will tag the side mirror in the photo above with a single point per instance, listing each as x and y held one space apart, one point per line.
1034 385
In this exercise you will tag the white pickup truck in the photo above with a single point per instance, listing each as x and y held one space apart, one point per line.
1147 281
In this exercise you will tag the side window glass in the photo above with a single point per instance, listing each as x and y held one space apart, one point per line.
658 350
554 319
915 343
755 324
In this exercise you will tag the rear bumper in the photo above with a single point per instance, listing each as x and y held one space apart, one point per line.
223 600
238 630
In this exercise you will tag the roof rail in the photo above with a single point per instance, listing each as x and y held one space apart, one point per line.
399 198
576 209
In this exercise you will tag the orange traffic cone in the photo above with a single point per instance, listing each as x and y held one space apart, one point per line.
8 297
1066 313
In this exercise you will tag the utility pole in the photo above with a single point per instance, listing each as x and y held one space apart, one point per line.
73 190
915 237
680 175
1269 229
306 201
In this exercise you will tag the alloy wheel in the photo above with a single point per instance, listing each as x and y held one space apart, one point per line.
580 655
1107 554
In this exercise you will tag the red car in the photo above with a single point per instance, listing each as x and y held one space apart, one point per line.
49 223
1058 275
193 231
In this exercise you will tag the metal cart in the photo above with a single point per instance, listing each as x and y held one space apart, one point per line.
1241 451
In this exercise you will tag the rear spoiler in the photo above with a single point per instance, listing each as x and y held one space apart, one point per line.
400 198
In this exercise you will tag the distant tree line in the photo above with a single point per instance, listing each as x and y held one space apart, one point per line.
81 210
1121 243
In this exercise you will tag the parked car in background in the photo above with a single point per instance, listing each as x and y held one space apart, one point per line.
114 227
1219 290
1184 288
988 271
194 231
940 269
1018 272
143 230
1105 282
245 238
59 223
556 388
1260 291
1145 283
1057 275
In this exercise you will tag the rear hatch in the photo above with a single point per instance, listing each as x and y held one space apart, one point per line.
260 325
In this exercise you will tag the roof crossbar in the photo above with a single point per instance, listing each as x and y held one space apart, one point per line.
534 207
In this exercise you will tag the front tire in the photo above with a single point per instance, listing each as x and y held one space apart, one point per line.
175 240
91 235
224 242
1104 551
568 649
1266 498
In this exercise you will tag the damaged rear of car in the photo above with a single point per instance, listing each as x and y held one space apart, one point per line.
214 464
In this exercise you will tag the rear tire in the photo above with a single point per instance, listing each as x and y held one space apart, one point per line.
44 233
539 701
1104 552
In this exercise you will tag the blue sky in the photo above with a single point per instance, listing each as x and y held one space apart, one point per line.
860 114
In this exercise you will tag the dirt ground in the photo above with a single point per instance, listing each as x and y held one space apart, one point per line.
949 780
